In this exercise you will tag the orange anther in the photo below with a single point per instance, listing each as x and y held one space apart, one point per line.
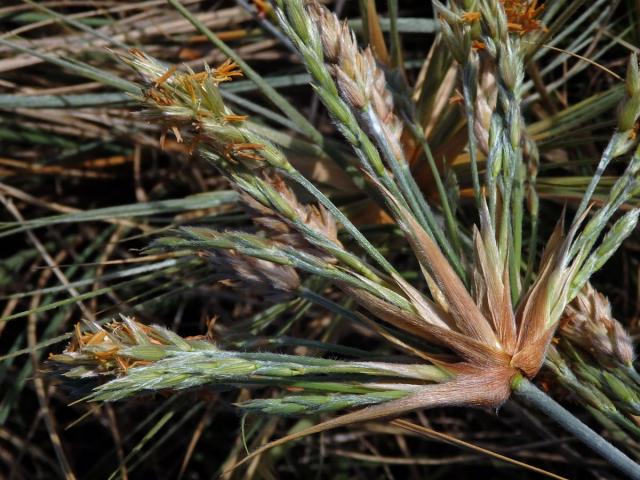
164 77
470 17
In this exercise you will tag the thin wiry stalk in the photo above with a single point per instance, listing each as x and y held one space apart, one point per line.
397 60
612 240
622 141
453 228
623 189
533 202
469 86
530 393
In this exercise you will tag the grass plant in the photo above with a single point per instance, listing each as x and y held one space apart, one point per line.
423 223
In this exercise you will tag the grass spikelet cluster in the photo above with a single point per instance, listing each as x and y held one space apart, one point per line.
411 241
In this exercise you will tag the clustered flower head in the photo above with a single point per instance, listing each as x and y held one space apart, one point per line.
254 274
189 104
589 323
360 81
313 215
118 346
138 359
523 15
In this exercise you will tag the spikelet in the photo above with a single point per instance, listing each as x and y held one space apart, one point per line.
278 229
191 106
589 323
360 81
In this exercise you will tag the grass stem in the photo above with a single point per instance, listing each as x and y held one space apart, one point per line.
527 391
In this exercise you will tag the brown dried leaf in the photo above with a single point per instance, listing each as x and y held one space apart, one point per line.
468 318
375 34
468 348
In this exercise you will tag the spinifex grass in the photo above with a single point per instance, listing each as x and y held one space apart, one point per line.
488 301
496 317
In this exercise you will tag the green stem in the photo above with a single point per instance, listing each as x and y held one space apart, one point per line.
447 211
469 95
595 179
527 391
297 177
396 44
409 189
533 239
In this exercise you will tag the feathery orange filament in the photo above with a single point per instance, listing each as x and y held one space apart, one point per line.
195 140
263 8
235 118
470 17
243 150
478 45
159 97
186 84
522 15
456 99
198 77
166 76
227 71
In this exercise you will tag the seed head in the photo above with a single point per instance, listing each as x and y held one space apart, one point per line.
589 323
522 16
278 229
360 81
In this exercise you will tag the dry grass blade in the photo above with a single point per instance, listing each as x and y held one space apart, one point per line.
428 432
